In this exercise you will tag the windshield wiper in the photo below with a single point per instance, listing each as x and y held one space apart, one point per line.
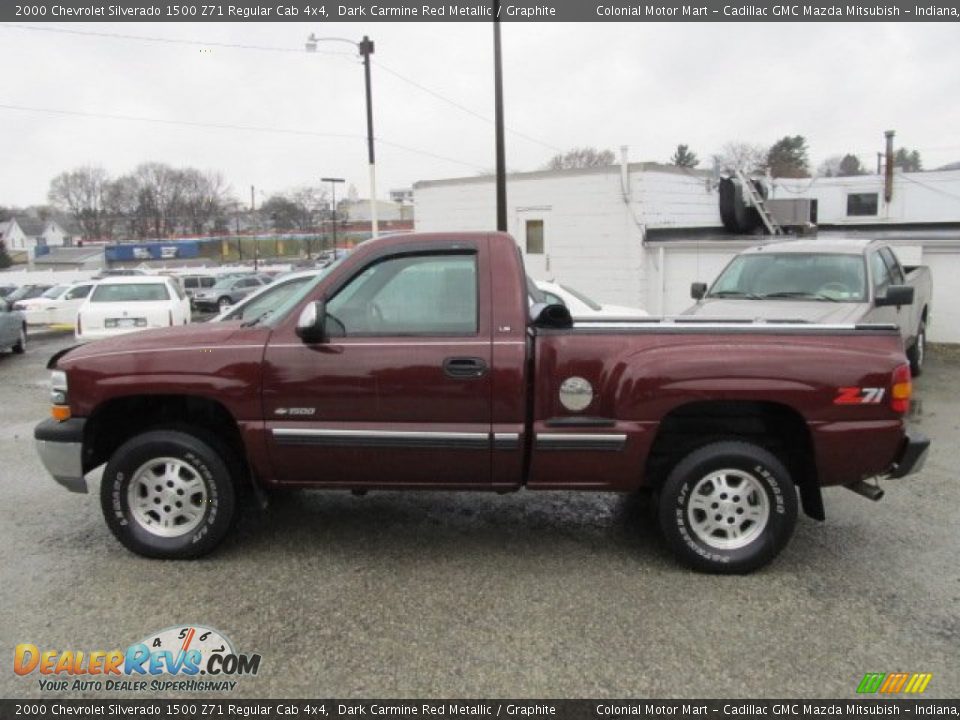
800 294
736 293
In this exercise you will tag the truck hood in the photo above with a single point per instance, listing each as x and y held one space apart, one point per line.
185 336
817 311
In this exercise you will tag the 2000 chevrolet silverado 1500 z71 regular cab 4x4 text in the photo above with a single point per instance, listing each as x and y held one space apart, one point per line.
416 362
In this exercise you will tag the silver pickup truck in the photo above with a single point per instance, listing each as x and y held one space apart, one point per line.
835 280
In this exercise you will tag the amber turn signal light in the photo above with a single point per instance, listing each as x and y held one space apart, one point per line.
60 412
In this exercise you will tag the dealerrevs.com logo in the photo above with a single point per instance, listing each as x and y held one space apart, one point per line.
183 658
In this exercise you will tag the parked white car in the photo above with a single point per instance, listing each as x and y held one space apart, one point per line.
57 306
121 305
580 306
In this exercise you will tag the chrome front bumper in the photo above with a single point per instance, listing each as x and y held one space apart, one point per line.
60 447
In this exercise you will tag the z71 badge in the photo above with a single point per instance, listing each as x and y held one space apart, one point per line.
859 396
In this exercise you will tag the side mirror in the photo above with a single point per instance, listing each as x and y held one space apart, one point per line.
311 325
896 295
551 316
698 290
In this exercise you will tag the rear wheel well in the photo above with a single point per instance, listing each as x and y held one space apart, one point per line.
114 422
778 428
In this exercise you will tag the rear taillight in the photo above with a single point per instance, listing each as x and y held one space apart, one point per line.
901 390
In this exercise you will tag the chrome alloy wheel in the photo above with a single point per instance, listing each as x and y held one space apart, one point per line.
728 509
167 497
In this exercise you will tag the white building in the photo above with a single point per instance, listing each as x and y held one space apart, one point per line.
359 210
585 227
639 234
24 234
918 199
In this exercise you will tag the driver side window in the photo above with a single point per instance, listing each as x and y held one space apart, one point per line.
410 295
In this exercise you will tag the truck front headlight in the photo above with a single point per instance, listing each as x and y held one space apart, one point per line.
58 395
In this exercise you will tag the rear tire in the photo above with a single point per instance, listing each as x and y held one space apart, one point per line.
728 507
21 347
169 494
917 353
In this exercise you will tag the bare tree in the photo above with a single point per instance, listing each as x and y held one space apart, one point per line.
298 209
584 157
81 192
202 199
160 190
741 156
830 167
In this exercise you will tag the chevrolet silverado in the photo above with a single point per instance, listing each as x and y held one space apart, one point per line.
417 362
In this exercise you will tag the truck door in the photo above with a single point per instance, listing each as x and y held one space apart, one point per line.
882 278
907 317
400 391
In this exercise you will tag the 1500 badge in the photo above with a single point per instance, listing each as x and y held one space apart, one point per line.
295 411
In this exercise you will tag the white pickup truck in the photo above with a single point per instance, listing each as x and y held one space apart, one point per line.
823 280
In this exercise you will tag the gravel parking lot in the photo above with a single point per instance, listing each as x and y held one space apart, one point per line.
524 595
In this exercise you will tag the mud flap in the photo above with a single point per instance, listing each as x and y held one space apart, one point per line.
811 500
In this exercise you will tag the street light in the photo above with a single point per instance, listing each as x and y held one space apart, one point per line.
333 209
365 48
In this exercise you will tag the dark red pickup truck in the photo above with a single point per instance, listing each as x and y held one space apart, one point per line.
418 362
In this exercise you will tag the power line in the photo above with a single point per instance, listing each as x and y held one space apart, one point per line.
229 126
170 41
931 188
463 108
267 48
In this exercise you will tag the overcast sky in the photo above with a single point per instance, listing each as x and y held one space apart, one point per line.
648 86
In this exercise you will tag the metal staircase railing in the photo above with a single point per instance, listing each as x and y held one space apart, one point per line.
756 200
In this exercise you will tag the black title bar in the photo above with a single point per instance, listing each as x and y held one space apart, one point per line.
470 11
216 707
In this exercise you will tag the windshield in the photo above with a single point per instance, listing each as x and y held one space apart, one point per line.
23 291
130 292
54 292
303 291
269 299
582 298
801 276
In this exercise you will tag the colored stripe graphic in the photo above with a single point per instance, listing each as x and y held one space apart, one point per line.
893 683
918 683
871 682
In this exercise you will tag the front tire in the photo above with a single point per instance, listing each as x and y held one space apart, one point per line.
169 494
21 347
917 353
728 507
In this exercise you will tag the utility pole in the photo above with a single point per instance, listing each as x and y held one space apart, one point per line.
333 209
888 169
366 49
256 240
498 112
